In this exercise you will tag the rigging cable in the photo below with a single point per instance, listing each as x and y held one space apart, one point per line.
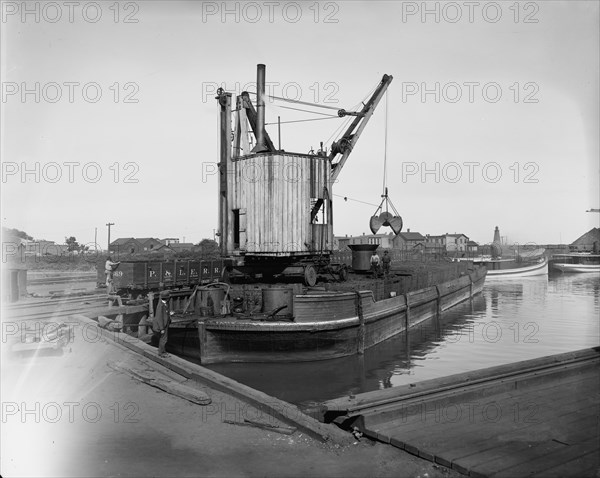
385 146
346 198
307 103
350 118
336 131
307 111
343 125
303 120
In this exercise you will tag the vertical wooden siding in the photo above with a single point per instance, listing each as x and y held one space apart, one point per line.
275 190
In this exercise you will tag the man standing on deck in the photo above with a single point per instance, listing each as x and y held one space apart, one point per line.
387 260
160 324
375 264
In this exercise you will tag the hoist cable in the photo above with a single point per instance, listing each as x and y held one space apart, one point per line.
303 120
346 198
385 146
307 103
307 111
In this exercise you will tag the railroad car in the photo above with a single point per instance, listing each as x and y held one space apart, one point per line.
136 278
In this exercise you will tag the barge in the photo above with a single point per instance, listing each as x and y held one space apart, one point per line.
276 243
309 325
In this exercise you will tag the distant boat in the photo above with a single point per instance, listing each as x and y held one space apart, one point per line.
511 268
525 263
577 262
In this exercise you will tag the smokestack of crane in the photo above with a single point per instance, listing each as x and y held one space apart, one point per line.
260 109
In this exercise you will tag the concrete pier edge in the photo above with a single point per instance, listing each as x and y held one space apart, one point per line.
284 411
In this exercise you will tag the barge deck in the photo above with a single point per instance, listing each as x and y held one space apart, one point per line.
324 324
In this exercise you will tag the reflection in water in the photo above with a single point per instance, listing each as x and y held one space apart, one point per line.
510 321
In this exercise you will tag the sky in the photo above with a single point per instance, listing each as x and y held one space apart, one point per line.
492 119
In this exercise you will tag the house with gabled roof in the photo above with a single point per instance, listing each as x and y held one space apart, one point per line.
149 244
456 242
132 245
447 243
125 245
409 240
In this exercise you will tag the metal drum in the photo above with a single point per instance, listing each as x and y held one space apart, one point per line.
361 256
275 297
209 300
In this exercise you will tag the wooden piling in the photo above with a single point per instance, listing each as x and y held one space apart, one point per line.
361 324
150 304
407 326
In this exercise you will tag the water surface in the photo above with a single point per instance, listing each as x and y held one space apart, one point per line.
510 321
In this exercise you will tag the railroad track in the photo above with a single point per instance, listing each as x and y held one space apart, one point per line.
62 280
54 309
53 301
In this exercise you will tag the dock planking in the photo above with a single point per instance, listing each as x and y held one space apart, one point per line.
496 422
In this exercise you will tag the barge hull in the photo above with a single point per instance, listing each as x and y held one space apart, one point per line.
359 322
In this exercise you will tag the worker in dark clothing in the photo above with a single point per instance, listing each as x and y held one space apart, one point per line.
160 324
387 261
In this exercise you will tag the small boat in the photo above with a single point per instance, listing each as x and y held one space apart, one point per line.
511 268
577 262
526 263
515 268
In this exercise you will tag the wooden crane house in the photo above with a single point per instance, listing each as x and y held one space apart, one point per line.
275 206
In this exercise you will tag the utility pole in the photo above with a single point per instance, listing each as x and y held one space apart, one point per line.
109 224
95 239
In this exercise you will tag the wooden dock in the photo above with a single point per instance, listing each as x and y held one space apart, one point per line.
533 418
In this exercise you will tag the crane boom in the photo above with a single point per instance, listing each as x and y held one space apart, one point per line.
343 147
347 142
